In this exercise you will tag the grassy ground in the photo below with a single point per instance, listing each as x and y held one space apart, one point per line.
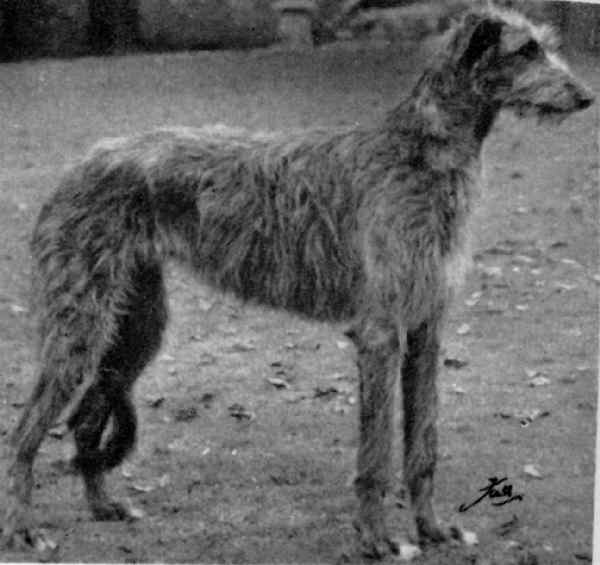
276 488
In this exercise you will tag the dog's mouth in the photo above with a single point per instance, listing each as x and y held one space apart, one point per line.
548 112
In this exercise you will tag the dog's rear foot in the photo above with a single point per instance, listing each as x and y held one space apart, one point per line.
19 534
111 511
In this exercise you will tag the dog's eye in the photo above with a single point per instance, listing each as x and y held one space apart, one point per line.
529 49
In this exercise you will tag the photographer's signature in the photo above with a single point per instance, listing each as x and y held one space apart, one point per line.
492 490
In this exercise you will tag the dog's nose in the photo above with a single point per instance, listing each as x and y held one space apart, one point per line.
585 102
585 99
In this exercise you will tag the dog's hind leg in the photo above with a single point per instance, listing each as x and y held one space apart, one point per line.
65 359
137 340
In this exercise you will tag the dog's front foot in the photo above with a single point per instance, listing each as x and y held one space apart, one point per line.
373 539
432 532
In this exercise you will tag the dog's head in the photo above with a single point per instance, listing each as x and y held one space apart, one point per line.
509 62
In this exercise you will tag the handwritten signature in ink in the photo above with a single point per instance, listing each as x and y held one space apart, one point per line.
492 490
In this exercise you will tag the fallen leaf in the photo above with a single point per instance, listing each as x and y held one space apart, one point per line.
529 417
59 431
522 307
547 547
155 402
166 358
585 406
523 259
558 244
135 513
532 373
564 285
207 399
499 249
277 382
294 397
507 527
206 359
463 329
127 471
185 414
164 480
241 347
512 544
491 272
342 344
326 391
469 538
340 407
455 363
239 412
457 390
532 471
45 547
539 381
137 487
567 261
408 551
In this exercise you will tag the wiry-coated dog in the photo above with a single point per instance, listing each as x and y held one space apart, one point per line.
364 225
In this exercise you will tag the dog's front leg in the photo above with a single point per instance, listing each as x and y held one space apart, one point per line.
378 348
419 391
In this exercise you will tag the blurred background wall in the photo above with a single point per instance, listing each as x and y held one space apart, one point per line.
33 28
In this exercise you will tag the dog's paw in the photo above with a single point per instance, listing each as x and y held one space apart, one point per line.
112 511
463 537
433 532
19 534
373 541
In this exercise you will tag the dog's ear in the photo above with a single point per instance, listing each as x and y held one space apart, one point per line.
480 32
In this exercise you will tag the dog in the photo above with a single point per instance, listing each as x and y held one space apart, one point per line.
364 225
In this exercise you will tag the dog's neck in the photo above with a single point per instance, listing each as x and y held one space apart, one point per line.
446 114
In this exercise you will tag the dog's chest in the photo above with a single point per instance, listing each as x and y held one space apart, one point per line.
458 259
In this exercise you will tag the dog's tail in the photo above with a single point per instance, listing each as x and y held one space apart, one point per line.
93 241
